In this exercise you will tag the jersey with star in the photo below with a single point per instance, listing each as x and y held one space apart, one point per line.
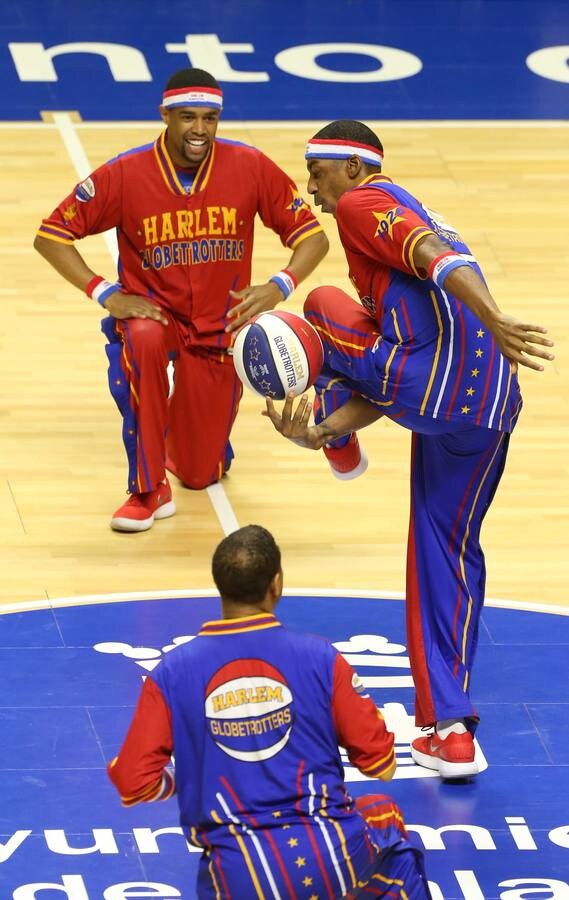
185 241
436 362
254 714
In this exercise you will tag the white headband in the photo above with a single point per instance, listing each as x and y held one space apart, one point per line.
334 148
193 96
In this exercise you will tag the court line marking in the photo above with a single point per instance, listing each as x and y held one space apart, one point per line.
238 124
67 130
193 593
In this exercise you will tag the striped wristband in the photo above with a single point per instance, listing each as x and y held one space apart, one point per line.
99 289
286 281
442 265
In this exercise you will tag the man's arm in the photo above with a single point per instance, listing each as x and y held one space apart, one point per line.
139 772
360 726
515 339
357 413
261 297
68 262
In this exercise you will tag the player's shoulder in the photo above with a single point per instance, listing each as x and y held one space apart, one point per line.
231 148
131 156
306 642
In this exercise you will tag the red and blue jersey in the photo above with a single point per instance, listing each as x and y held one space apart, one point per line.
253 714
435 360
185 242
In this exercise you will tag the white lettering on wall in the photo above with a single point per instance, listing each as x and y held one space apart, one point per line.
206 51
33 61
394 64
550 62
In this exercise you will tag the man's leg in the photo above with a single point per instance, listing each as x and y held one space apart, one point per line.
347 332
138 352
453 481
399 869
202 410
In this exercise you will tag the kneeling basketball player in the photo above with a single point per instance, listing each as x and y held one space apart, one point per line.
254 714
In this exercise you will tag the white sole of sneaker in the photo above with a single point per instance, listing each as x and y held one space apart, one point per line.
136 525
445 769
353 473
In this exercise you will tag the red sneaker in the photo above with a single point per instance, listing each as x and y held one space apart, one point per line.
452 758
140 510
347 462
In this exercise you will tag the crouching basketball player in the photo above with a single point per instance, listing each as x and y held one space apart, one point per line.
254 714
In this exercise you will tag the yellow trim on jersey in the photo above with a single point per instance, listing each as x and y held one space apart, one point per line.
214 879
240 630
345 853
327 388
396 881
52 237
248 861
314 230
338 340
383 816
437 354
161 167
376 177
240 618
393 352
424 231
461 560
208 165
379 763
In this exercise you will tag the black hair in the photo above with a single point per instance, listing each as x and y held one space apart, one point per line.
191 78
351 130
245 563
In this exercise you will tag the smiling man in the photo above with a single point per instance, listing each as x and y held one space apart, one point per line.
183 208
429 348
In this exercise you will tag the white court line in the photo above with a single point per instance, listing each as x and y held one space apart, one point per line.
82 166
234 125
66 127
182 593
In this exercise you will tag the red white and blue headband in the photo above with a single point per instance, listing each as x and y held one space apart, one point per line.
334 148
193 96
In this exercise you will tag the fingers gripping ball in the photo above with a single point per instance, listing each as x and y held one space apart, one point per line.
277 353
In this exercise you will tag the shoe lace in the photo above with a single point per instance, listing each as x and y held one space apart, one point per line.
136 500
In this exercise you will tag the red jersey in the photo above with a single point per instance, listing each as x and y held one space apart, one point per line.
185 245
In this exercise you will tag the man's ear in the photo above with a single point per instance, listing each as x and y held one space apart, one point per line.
164 114
354 167
277 585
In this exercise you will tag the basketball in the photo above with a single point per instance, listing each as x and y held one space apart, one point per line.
277 353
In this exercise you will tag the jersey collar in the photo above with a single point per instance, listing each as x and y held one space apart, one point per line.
169 174
238 626
373 179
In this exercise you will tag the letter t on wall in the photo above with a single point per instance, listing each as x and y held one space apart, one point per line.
205 51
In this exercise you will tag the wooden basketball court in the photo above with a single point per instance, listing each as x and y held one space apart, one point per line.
505 186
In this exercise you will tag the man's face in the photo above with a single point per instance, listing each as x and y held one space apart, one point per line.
191 132
328 179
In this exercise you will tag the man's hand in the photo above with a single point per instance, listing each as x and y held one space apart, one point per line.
295 426
516 341
254 299
131 306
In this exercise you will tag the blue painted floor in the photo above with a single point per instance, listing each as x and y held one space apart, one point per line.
70 678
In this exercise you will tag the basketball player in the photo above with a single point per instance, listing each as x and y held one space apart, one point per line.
429 348
183 208
254 714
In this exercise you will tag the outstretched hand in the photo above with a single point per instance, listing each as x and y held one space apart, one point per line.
293 424
254 299
519 341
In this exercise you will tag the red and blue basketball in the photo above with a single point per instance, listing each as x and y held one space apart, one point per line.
277 353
